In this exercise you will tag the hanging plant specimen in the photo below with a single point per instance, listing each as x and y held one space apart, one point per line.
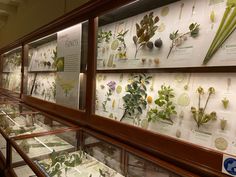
221 143
225 103
199 114
226 28
161 27
135 100
177 38
181 10
145 30
223 124
121 47
165 11
212 18
104 36
66 85
193 8
111 88
183 100
165 108
61 161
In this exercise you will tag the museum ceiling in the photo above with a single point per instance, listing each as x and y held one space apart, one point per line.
7 8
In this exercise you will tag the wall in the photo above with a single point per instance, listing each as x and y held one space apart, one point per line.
32 14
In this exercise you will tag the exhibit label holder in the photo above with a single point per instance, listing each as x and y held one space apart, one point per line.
229 165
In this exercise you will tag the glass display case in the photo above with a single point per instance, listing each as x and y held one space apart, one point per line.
157 71
11 70
139 167
56 67
57 155
15 108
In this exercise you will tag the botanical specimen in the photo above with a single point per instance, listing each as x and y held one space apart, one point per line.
225 103
223 123
221 143
111 88
165 108
199 114
121 46
177 38
181 10
135 99
145 30
66 85
226 28
61 161
104 36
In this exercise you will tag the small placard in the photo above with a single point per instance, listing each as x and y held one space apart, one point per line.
229 165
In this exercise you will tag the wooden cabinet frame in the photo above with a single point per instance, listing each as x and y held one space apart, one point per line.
197 159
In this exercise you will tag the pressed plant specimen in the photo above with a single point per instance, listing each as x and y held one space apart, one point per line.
111 88
165 108
135 99
178 38
104 36
226 28
122 48
61 161
145 30
199 114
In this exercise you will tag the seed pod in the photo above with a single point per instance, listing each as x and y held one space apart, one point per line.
150 45
158 43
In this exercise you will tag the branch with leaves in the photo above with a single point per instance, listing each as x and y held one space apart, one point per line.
145 31
178 39
165 109
135 99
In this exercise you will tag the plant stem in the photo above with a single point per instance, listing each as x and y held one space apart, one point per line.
199 101
206 102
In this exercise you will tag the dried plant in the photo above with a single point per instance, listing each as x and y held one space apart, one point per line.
199 114
145 31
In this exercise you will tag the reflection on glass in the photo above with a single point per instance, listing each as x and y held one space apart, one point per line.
138 167
11 73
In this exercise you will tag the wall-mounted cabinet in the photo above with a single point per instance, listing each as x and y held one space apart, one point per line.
162 69
11 63
56 67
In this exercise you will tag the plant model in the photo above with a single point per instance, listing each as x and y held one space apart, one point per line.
111 88
136 98
178 38
61 161
199 114
145 30
164 105
226 28
120 45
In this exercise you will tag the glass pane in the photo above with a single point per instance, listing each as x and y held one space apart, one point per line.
138 167
193 107
3 146
14 108
61 155
11 72
24 171
20 124
105 152
57 65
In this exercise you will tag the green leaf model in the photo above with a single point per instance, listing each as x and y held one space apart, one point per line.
199 114
135 99
177 38
226 28
62 161
104 36
165 108
145 30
